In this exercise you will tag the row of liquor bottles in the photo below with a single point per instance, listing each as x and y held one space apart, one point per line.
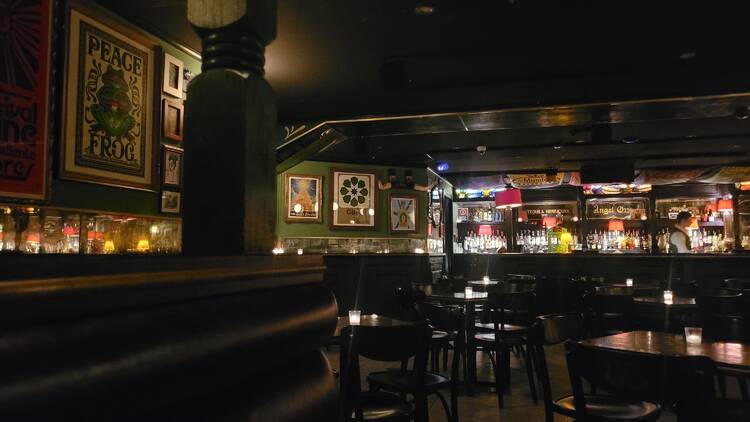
479 215
701 241
628 240
484 243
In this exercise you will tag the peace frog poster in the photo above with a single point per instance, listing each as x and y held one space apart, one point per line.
24 104
108 106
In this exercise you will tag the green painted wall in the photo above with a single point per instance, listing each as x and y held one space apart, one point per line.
72 194
285 229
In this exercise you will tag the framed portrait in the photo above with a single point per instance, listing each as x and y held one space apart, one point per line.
108 107
353 199
172 112
171 174
303 198
172 77
27 38
402 213
171 202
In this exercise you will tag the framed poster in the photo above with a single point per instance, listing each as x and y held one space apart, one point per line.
170 202
172 119
109 98
353 199
402 213
25 42
171 166
172 78
303 198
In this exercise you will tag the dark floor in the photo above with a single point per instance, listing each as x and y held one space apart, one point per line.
483 405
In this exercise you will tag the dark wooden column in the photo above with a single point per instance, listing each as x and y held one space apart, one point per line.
229 203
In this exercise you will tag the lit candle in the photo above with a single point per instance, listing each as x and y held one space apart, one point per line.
668 297
354 316
374 316
693 335
486 279
299 252
629 282
468 292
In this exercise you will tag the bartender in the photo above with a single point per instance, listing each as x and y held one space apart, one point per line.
679 239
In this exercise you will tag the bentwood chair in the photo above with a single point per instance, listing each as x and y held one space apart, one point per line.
610 310
738 284
511 313
637 384
405 382
384 344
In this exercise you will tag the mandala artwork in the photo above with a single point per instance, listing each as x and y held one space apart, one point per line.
353 199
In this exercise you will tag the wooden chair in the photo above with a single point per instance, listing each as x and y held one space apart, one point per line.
511 313
551 330
385 344
610 310
405 382
636 383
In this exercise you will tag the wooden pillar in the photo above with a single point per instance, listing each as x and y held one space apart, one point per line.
229 204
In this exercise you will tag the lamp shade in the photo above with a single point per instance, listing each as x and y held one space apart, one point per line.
694 224
485 230
566 238
725 205
616 226
550 222
510 198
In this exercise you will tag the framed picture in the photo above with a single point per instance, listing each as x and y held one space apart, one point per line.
172 112
26 41
171 202
171 166
402 213
303 198
353 199
172 78
108 107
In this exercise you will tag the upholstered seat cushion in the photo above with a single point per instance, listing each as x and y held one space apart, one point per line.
384 407
610 408
405 380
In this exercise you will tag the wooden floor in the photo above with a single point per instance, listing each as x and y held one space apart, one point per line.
482 407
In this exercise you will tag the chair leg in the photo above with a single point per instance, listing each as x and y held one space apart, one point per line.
742 381
722 381
506 367
448 413
445 357
498 379
530 373
433 359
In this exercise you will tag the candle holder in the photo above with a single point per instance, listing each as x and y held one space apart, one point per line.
668 297
629 282
486 279
355 316
693 335
468 292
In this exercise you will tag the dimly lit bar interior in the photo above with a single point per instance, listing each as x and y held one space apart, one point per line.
352 210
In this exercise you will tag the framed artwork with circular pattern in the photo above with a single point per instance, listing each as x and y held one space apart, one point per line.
353 199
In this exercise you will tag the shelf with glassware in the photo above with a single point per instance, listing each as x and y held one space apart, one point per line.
710 227
480 228
618 225
547 227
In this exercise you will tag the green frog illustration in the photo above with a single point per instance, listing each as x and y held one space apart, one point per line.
112 113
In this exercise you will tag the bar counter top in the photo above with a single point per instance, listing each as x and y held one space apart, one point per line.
744 255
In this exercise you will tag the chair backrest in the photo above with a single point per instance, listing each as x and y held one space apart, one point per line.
549 330
737 283
720 302
452 283
556 294
708 285
520 303
441 317
722 315
409 300
612 300
642 376
380 343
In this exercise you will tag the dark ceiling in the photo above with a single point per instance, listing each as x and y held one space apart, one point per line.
337 59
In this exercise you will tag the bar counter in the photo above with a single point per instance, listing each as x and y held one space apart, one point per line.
609 266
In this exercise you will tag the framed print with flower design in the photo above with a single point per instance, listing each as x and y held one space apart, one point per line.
402 213
108 106
353 199
303 198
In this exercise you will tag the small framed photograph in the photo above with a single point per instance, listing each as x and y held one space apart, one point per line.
171 165
303 198
172 78
172 113
402 213
171 202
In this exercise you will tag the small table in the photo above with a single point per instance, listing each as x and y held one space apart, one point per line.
469 305
482 283
654 313
367 321
655 342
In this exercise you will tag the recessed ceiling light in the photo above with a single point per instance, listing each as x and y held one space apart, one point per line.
424 10
687 55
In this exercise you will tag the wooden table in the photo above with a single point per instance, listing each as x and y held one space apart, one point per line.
469 305
655 342
483 283
367 321
652 313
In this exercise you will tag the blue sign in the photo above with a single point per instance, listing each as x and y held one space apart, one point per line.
442 166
